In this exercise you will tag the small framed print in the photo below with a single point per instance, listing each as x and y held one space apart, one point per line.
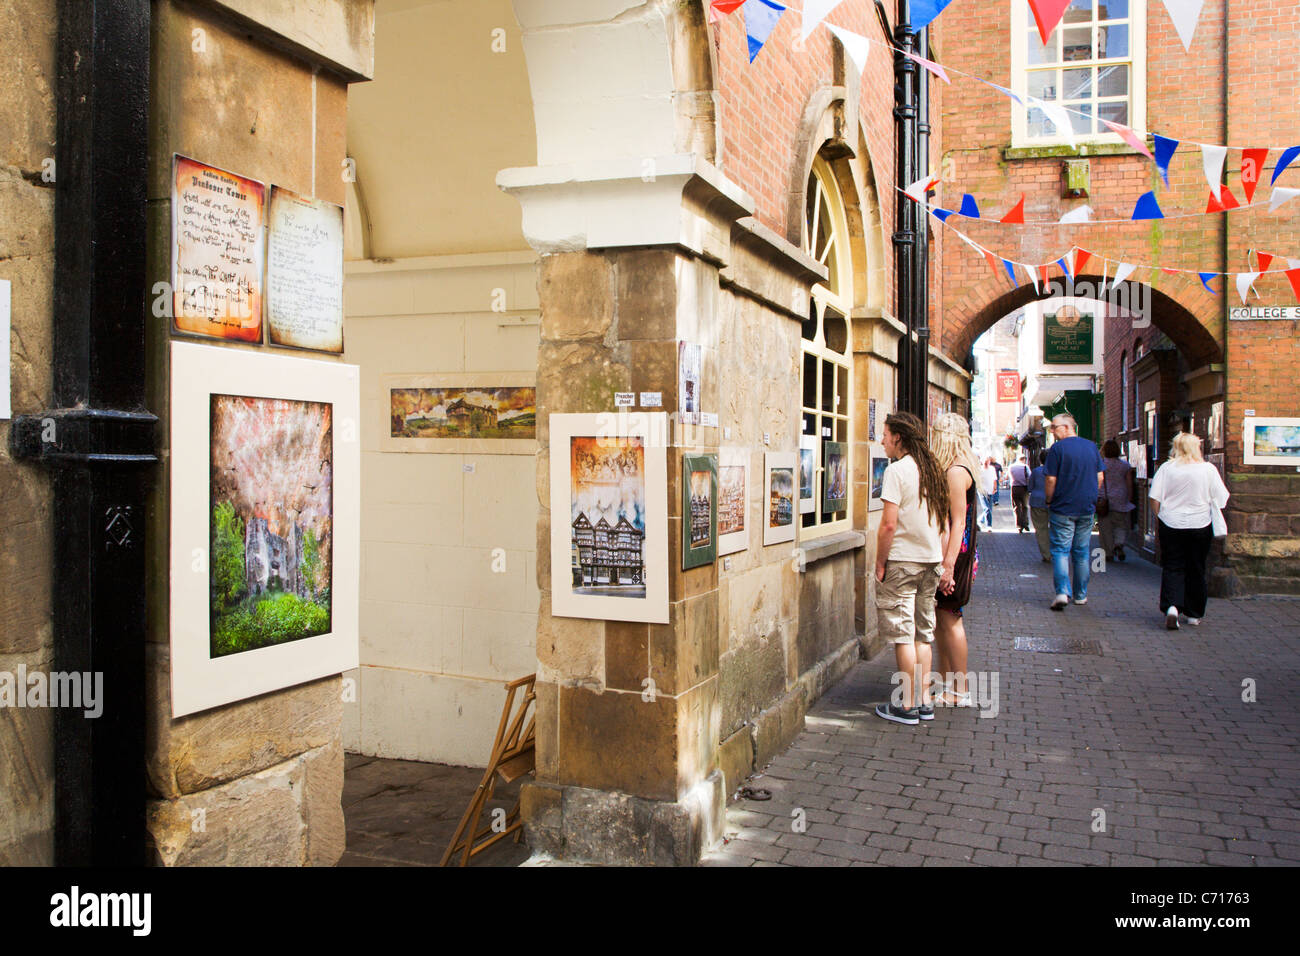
779 469
733 500
879 462
609 517
1271 441
835 476
807 473
699 510
688 383
479 413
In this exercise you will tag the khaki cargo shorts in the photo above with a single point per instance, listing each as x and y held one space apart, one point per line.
905 601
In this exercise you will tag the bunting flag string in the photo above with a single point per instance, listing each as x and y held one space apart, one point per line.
760 20
721 8
814 12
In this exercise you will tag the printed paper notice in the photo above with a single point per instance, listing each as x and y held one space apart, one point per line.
304 272
217 254
5 410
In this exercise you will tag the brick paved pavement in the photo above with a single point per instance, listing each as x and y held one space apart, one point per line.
1154 732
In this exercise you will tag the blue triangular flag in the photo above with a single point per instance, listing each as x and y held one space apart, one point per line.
968 207
1205 281
1064 267
1006 264
1284 161
923 11
941 214
1164 152
760 21
1147 207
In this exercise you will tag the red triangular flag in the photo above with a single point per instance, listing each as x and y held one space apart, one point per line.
1252 164
1047 14
1017 214
1229 201
720 8
1080 257
1168 272
994 262
1293 276
1264 260
1042 271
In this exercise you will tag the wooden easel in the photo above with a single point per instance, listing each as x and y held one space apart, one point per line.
513 755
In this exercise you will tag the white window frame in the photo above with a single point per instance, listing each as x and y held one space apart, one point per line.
1022 23
840 300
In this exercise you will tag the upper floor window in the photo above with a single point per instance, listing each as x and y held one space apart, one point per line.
1093 64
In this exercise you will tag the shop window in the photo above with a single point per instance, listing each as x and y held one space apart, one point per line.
1093 64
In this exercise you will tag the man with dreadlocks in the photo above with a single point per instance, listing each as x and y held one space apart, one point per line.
908 559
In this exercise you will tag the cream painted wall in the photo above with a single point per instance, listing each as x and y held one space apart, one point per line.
441 632
443 114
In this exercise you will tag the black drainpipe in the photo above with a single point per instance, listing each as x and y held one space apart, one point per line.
921 381
98 439
904 237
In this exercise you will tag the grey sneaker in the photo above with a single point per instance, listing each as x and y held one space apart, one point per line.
1082 600
1060 601
925 712
897 714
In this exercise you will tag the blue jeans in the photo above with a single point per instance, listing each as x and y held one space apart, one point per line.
986 510
1071 537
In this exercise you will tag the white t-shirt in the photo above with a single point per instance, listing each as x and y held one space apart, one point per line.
1185 490
916 538
989 480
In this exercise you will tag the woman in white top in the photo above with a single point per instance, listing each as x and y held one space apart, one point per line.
1184 495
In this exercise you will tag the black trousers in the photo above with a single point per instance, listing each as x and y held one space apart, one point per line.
1182 562
1020 498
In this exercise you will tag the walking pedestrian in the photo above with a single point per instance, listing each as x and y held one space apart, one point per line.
988 485
1020 492
1187 497
908 555
1074 475
997 482
1114 516
950 442
1038 507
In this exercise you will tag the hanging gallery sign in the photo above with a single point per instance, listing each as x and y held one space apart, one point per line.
1067 336
480 413
217 257
699 510
265 523
733 500
609 517
1271 441
1009 386
779 496
304 272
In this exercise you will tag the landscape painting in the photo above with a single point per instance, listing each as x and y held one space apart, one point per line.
271 535
1272 441
699 510
480 413
607 516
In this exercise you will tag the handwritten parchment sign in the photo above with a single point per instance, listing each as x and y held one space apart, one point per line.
304 272
217 220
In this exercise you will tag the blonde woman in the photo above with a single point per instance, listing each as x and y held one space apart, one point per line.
950 442
1184 494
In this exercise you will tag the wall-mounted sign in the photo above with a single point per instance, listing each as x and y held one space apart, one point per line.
1289 313
304 272
1067 337
217 254
1008 386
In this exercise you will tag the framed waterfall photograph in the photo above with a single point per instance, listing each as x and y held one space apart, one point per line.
609 516
699 510
265 523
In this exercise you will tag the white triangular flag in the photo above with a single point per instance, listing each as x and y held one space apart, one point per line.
814 12
1032 272
1082 214
1058 115
1281 195
1184 13
1123 271
923 185
1244 281
970 242
1212 160
854 45
1293 263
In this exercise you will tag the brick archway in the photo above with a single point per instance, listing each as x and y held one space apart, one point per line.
1190 317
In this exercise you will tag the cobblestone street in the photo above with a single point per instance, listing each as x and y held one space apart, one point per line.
1152 731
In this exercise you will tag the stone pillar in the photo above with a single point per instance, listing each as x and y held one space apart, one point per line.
259 89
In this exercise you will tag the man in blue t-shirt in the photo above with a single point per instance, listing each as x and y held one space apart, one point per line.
1074 475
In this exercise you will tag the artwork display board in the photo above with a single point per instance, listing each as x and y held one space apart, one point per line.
479 413
265 523
217 254
779 477
807 473
699 510
609 517
304 272
835 476
1216 429
733 500
1271 441
1067 336
879 462
688 383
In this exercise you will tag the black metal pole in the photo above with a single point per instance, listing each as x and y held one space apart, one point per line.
98 438
904 237
921 379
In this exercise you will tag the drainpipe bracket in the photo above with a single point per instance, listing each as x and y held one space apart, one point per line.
84 437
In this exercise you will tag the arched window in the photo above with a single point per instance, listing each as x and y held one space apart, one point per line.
1123 391
827 367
